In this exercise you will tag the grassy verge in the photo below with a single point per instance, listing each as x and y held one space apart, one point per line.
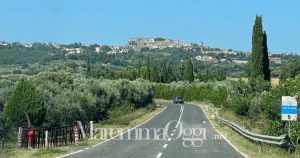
134 118
249 148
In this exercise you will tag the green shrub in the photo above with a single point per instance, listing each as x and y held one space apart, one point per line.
71 97
25 100
216 92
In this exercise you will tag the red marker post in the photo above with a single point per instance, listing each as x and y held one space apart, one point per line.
30 138
75 129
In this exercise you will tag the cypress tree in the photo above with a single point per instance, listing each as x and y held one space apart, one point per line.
148 68
221 75
267 73
164 75
139 69
207 76
169 72
257 49
88 69
155 77
188 73
181 71
259 64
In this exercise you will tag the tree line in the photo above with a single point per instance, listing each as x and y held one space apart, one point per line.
51 99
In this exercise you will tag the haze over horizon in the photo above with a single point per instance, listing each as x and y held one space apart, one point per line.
225 25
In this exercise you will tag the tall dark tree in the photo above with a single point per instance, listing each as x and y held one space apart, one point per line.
155 76
188 72
88 69
259 64
267 73
221 75
148 68
164 75
139 69
170 75
181 71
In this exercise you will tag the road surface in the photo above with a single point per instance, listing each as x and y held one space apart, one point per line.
189 135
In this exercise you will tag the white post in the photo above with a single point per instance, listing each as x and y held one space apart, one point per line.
46 138
81 129
20 137
91 129
75 130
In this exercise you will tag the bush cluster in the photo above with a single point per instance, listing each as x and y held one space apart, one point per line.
256 100
216 92
68 97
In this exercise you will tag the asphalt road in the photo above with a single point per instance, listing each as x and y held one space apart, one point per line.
191 136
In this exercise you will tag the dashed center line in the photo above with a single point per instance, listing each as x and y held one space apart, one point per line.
165 146
158 155
181 111
169 139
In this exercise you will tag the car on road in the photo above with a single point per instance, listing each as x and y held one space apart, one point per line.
179 100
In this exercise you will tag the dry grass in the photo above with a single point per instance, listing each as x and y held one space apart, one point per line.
235 78
243 121
274 81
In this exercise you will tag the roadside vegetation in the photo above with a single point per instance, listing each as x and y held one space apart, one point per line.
247 147
255 102
52 99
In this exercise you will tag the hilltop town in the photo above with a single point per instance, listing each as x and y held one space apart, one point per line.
205 53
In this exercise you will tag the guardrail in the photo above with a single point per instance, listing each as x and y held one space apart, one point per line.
283 140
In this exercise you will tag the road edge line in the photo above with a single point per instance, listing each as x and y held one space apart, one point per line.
235 148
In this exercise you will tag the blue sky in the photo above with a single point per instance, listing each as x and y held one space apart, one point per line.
224 24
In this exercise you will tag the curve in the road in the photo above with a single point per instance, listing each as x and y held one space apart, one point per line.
191 136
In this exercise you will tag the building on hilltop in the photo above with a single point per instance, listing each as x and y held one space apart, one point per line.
157 43
276 60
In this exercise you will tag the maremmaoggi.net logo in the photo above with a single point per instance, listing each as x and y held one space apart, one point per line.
173 130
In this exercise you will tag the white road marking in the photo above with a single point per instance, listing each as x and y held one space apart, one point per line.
222 134
86 148
165 146
71 153
169 139
158 155
181 111
174 130
172 134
